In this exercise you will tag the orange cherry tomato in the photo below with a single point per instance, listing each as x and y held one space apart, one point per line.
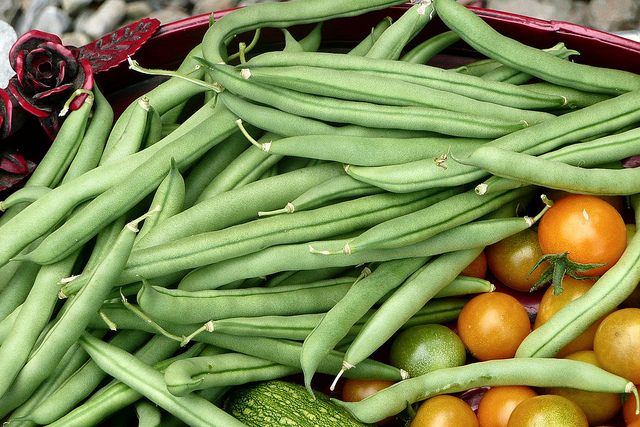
492 325
617 343
588 228
547 410
444 411
477 268
629 411
495 407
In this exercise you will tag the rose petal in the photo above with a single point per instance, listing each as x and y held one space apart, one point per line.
52 92
28 41
18 65
86 84
15 90
13 162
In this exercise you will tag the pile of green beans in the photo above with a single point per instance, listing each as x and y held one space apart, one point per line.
270 212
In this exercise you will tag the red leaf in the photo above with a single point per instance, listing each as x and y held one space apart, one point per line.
112 49
13 162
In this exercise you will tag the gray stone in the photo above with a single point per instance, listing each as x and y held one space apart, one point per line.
27 20
75 38
72 7
169 14
201 7
137 10
9 10
8 37
107 18
612 15
54 21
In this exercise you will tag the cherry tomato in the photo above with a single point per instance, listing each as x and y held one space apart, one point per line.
617 202
492 325
588 228
496 405
511 260
444 411
617 343
547 410
354 390
550 304
477 268
598 407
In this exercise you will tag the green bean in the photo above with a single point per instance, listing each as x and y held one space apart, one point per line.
149 415
61 201
112 397
228 369
27 194
154 131
533 372
312 41
601 118
358 86
605 295
405 301
377 151
30 322
364 114
58 157
486 40
71 320
279 15
143 378
300 257
425 51
184 307
82 382
7 323
68 369
337 322
17 288
240 205
307 276
576 98
287 124
391 43
339 188
366 43
435 77
168 198
252 162
507 74
206 248
554 174
94 139
218 157
477 67
287 352
298 327
131 138
119 198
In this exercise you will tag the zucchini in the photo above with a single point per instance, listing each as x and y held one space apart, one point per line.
282 403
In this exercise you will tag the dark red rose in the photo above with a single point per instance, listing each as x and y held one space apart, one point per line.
47 74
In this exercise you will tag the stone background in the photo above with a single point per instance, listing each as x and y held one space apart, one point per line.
78 22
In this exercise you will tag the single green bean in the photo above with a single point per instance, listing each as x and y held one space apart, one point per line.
184 307
365 44
391 43
132 136
149 415
533 372
425 51
554 174
339 188
228 369
486 40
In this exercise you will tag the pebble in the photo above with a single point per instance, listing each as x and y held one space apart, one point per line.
8 37
107 18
